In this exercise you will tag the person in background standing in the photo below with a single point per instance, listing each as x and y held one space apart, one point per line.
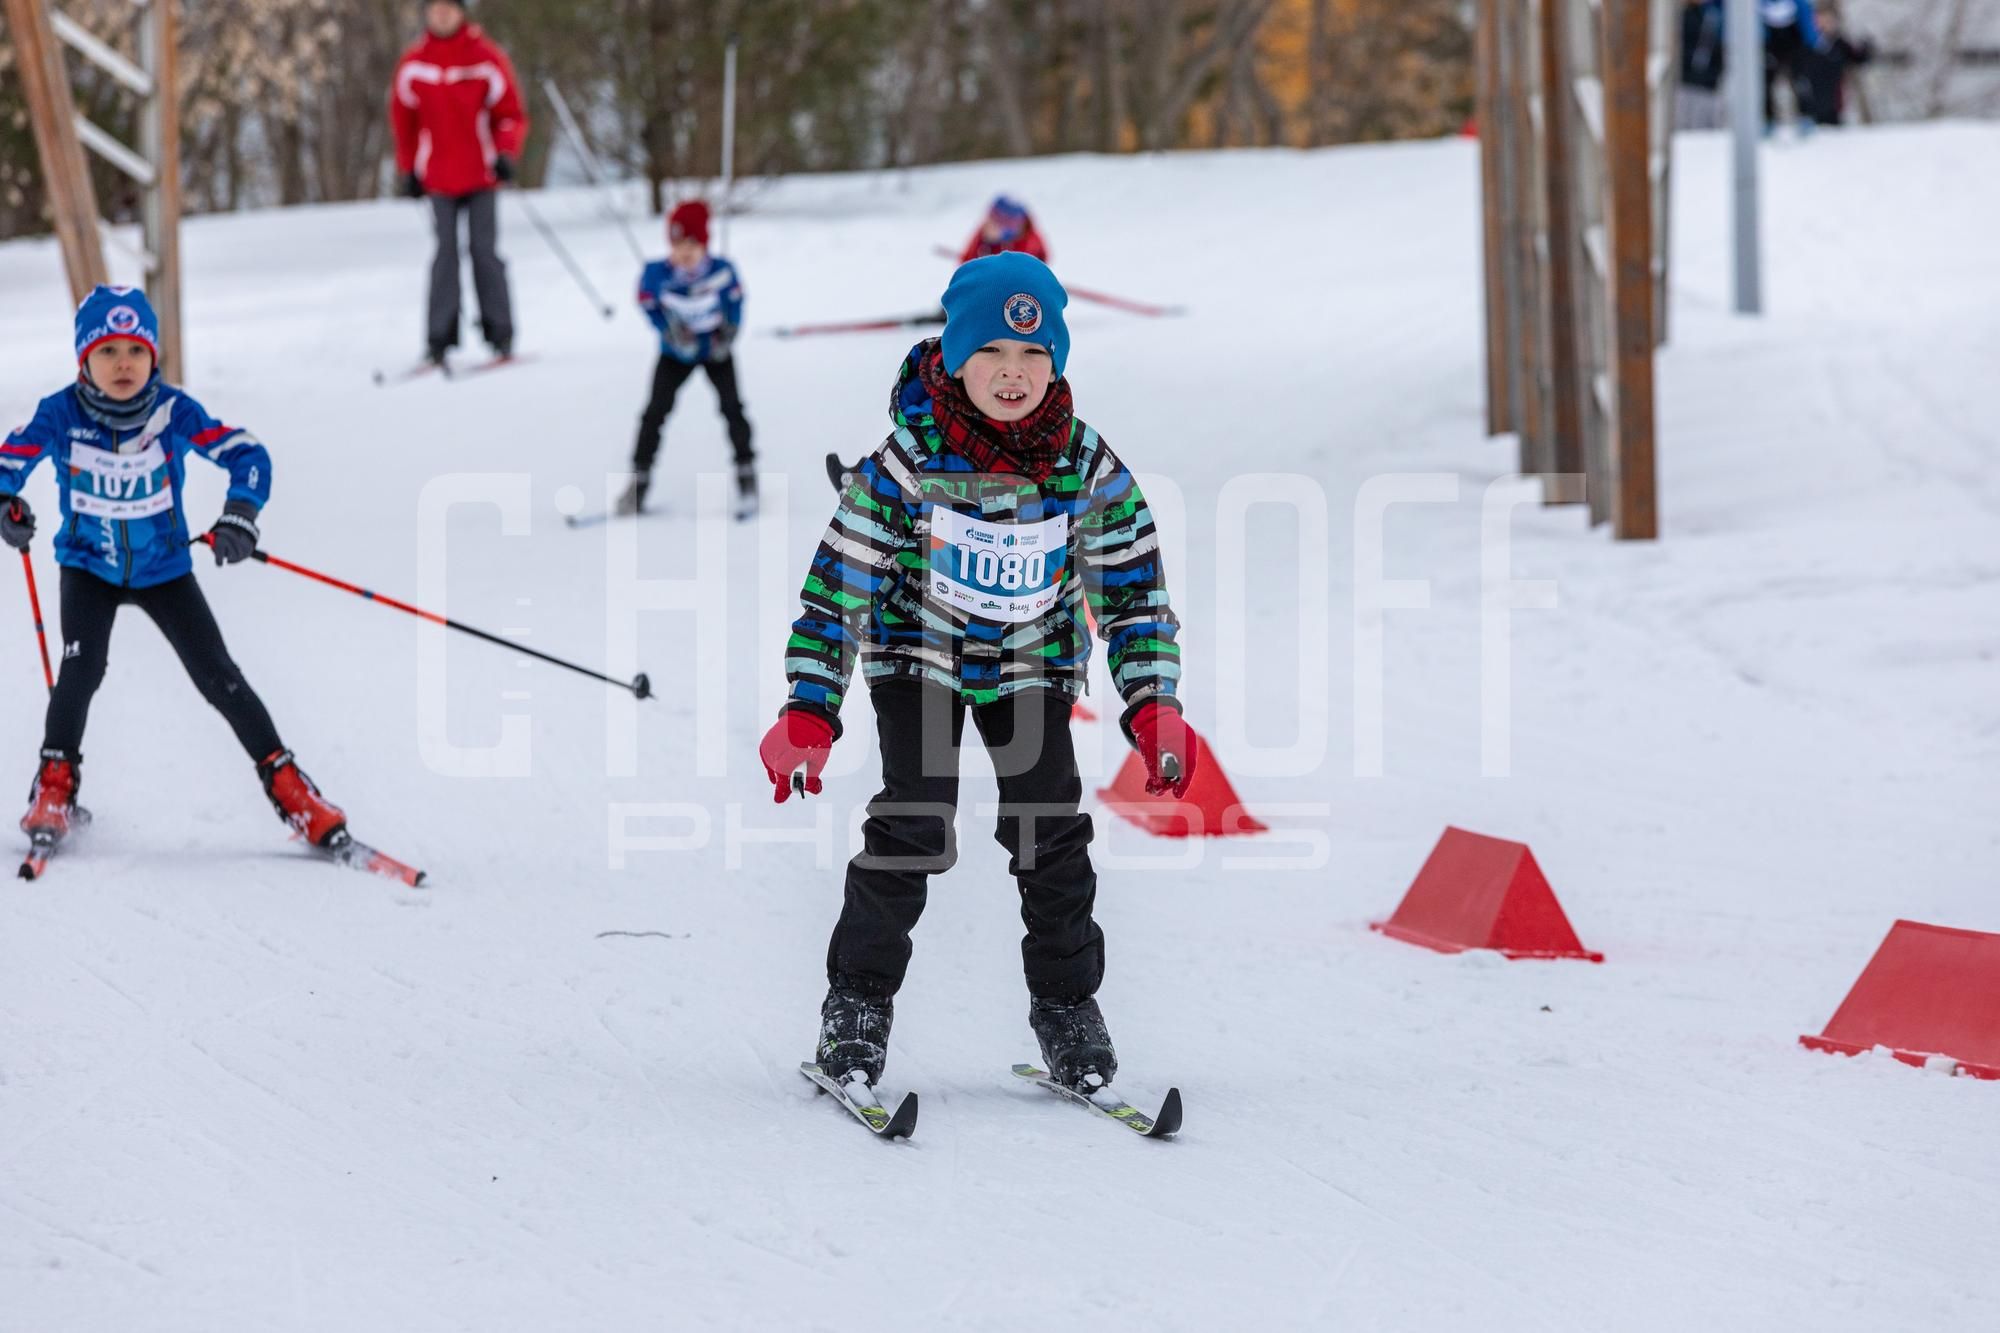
456 111
1790 38
1698 101
1827 69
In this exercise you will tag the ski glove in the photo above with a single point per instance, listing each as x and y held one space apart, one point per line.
235 534
1159 733
503 168
720 341
796 748
17 523
411 187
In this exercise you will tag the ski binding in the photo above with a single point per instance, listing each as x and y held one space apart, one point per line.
871 1113
1112 1107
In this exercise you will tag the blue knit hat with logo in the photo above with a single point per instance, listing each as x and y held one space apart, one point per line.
1010 295
116 312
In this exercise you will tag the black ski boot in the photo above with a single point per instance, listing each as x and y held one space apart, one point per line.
634 498
1075 1044
746 491
854 1034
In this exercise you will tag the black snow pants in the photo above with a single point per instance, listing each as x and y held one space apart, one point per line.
908 837
668 377
89 605
489 271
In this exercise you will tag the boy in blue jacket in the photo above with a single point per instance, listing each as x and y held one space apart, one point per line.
119 439
695 300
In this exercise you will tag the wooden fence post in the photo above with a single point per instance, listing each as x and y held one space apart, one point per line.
65 171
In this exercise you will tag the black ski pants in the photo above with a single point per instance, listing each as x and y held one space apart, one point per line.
489 272
89 605
668 377
908 837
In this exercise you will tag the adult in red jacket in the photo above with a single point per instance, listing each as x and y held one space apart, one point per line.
1007 227
456 110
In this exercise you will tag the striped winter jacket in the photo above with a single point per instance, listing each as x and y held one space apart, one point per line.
978 582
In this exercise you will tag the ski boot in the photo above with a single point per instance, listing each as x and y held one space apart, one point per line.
1076 1047
746 491
634 498
298 802
52 797
854 1034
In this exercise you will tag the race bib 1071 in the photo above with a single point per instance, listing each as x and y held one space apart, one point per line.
109 485
998 571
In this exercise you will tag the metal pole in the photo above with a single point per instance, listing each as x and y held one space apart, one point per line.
160 135
591 166
728 140
1744 70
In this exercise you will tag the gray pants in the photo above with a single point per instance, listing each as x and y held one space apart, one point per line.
1700 109
489 271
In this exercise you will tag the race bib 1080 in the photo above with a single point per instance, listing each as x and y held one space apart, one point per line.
998 571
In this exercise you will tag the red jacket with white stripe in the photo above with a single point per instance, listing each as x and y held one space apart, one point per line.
454 106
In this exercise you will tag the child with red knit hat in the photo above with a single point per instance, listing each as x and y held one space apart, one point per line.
695 300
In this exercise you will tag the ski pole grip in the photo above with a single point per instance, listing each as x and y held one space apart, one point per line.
799 780
1170 767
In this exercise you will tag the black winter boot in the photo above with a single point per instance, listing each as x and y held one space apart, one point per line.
854 1034
1075 1044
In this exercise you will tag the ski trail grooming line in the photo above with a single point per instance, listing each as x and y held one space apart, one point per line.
1109 1105
639 685
872 1113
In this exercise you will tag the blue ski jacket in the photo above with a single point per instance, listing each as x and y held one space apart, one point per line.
121 491
697 311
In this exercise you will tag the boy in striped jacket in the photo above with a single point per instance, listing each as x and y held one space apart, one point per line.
958 569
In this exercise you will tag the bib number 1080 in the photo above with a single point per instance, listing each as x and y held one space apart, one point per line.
1008 573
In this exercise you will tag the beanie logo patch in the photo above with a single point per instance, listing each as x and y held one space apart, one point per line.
122 319
1023 313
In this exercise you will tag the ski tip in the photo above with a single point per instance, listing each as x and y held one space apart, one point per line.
1168 1122
28 870
904 1122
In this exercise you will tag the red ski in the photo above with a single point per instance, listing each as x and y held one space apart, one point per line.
1101 298
345 850
862 325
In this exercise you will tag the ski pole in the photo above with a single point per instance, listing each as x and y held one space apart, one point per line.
641 687
591 166
35 605
562 253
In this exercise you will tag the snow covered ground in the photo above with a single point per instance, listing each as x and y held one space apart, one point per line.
240 1089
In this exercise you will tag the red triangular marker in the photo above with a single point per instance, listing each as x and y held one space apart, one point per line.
1477 892
1928 991
1211 807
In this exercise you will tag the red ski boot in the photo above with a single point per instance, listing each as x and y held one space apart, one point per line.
52 800
298 802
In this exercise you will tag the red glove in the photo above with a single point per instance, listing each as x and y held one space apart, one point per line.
799 739
1160 735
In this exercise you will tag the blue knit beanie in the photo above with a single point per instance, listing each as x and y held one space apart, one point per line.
116 312
1004 296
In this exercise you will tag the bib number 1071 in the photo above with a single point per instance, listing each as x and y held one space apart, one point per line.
1010 572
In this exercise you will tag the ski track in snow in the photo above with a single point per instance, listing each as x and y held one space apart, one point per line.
242 1089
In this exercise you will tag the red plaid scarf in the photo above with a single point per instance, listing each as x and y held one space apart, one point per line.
1030 447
